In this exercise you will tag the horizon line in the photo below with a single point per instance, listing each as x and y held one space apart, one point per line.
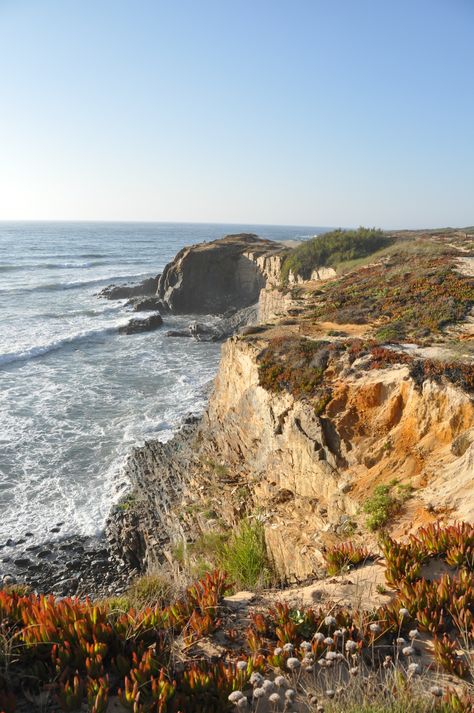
214 222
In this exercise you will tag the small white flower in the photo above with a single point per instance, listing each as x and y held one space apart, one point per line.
320 709
408 651
331 656
309 668
280 681
330 621
290 694
328 641
436 691
351 646
268 686
413 634
305 646
339 656
354 670
330 693
242 703
278 651
338 632
235 696
258 693
414 668
241 665
375 628
288 648
256 679
322 662
319 637
293 664
404 613
274 698
401 641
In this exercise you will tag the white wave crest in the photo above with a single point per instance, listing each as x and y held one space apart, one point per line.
54 345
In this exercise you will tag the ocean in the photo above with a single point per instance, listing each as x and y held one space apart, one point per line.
75 395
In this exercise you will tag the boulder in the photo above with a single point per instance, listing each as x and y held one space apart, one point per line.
211 278
220 330
145 304
135 326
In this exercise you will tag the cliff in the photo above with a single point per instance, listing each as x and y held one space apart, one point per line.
310 414
211 278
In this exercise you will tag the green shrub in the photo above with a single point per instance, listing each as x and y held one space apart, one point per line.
385 502
245 558
380 507
333 248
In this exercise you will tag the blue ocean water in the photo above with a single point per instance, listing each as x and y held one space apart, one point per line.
75 395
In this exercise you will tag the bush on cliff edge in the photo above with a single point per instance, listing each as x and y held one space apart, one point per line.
332 248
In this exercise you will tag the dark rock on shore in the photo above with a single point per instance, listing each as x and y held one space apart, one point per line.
210 278
72 566
120 292
135 326
217 332
140 528
145 304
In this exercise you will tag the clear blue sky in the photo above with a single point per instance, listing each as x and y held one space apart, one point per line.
309 112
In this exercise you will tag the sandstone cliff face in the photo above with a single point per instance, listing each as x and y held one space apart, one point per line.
306 475
309 474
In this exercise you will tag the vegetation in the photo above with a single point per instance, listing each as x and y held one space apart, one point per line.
384 503
316 659
333 248
242 553
245 557
298 366
459 373
410 299
340 558
146 591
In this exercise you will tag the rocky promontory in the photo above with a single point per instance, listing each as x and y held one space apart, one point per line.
363 379
211 278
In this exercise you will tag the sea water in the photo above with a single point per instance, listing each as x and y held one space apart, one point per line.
75 395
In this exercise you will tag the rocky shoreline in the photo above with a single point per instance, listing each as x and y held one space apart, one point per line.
71 566
135 538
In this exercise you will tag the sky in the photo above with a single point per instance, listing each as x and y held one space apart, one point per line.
300 112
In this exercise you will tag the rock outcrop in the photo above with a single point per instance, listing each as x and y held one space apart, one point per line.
121 292
145 304
135 326
211 278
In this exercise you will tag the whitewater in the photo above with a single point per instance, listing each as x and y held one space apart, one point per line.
75 395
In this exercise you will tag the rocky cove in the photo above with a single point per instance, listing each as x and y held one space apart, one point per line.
307 462
81 565
302 461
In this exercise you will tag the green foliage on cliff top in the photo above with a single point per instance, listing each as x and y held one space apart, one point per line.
411 297
333 248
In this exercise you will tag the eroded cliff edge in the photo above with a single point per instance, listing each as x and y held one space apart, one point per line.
306 418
